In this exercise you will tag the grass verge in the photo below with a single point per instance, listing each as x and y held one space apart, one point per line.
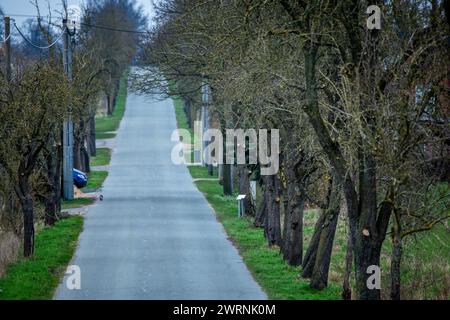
96 179
182 121
276 277
105 135
200 172
37 278
102 157
75 203
105 125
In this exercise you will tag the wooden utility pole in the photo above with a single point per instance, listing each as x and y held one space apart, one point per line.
205 123
68 124
8 48
7 21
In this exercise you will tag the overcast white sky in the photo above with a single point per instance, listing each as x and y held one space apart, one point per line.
25 7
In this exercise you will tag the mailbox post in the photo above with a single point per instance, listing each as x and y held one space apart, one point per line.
240 202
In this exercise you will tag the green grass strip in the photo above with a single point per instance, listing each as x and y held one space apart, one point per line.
199 172
276 277
96 179
36 278
182 121
104 125
105 135
102 157
75 203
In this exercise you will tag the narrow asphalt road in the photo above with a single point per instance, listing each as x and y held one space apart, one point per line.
154 236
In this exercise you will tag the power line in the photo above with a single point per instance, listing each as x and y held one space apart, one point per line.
23 15
6 39
28 16
36 46
81 23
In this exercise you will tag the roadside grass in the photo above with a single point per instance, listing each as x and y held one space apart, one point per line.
199 172
96 179
426 265
276 277
75 203
182 121
36 278
107 124
425 268
102 157
104 129
105 135
182 124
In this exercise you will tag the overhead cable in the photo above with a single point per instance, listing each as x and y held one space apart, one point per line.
37 46
6 39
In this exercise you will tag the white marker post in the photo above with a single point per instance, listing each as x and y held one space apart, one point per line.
240 200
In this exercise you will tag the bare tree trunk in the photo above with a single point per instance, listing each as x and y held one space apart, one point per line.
287 217
26 202
50 209
109 104
396 259
293 222
193 114
261 214
273 227
220 174
91 135
227 180
84 155
58 177
81 155
113 95
187 111
319 277
365 256
28 225
244 188
51 206
233 175
367 248
310 255
227 173
346 290
77 154
293 252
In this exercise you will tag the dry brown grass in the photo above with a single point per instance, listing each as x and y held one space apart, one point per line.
9 249
425 268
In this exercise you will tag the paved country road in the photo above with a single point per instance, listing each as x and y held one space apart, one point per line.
154 236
